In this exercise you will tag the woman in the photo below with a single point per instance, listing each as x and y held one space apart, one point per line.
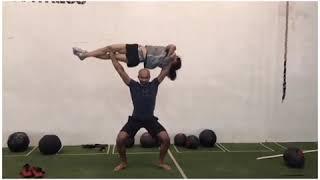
133 54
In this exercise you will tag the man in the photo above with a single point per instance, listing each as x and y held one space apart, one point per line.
143 97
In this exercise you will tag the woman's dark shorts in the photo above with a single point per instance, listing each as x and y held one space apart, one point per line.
132 55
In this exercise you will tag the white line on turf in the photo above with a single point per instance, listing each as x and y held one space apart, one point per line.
283 147
177 165
176 149
220 147
108 149
202 151
141 153
21 155
31 151
266 146
87 154
196 150
224 147
247 151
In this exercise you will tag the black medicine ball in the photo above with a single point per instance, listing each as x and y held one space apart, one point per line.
192 142
207 138
49 144
18 142
294 157
147 141
180 139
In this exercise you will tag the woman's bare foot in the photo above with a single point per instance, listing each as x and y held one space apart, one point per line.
120 167
164 166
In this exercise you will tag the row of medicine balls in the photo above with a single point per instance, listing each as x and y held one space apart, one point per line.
207 138
48 144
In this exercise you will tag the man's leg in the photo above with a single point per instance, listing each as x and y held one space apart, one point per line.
121 147
129 129
165 144
156 129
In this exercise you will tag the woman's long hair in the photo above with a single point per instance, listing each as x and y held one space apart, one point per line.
174 67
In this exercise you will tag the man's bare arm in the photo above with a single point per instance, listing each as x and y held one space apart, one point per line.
164 72
124 76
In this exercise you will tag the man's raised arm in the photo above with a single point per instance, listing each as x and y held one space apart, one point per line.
164 72
124 76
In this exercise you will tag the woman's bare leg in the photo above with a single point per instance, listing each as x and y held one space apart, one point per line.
118 48
101 52
122 58
106 56
119 57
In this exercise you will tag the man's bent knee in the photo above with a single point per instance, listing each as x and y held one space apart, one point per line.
122 137
164 137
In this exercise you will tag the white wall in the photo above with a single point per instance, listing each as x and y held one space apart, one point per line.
230 81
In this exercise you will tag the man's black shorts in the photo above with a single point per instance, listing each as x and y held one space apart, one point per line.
134 125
